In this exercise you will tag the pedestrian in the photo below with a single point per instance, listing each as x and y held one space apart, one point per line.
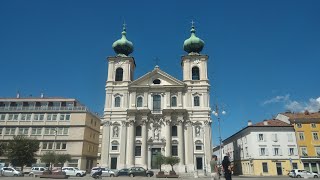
226 164
214 168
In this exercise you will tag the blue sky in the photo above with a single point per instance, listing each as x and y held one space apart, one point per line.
264 55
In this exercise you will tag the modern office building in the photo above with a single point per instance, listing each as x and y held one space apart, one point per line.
62 125
157 113
307 128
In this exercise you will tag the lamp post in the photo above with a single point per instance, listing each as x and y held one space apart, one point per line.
216 112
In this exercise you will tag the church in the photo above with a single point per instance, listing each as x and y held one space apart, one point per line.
157 113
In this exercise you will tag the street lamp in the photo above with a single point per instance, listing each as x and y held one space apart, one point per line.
216 112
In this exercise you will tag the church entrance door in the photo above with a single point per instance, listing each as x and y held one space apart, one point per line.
199 163
154 153
113 163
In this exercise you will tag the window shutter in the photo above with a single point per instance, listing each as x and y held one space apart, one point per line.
274 151
264 137
267 152
289 152
295 151
257 137
260 151
280 152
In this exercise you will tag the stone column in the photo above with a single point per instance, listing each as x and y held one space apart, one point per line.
207 143
181 142
189 147
168 138
144 145
131 143
123 145
149 157
105 145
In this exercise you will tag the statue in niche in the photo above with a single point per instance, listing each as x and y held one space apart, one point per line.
197 131
115 131
157 134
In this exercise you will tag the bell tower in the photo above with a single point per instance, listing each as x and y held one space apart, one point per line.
194 64
121 67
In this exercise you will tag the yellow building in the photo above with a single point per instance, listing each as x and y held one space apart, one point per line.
307 129
62 125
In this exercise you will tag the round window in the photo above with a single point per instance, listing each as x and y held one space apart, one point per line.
156 81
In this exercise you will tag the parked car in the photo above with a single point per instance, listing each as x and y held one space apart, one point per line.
139 171
106 172
123 172
10 171
301 173
73 171
37 171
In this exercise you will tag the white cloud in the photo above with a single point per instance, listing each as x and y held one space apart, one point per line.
277 99
312 105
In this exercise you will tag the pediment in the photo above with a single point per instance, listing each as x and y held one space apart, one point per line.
147 80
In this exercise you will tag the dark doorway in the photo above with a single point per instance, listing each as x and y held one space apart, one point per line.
279 168
113 163
199 163
154 153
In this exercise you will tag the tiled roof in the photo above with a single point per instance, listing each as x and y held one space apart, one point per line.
305 115
272 122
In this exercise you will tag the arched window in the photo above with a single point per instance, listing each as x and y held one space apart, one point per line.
195 73
119 74
174 131
138 131
196 101
117 102
173 101
156 102
139 102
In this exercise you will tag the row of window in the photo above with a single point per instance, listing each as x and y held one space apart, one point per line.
313 125
35 117
195 74
265 166
156 101
174 131
52 145
315 136
304 151
38 104
276 151
274 137
34 131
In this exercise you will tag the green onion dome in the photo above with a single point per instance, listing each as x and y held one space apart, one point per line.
193 44
123 47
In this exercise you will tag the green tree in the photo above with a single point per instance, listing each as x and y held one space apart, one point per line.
21 151
172 161
62 158
49 157
160 159
3 147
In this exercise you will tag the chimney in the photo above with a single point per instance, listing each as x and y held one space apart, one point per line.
18 95
265 122
249 123
42 95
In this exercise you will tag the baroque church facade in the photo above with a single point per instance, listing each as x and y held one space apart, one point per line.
157 113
